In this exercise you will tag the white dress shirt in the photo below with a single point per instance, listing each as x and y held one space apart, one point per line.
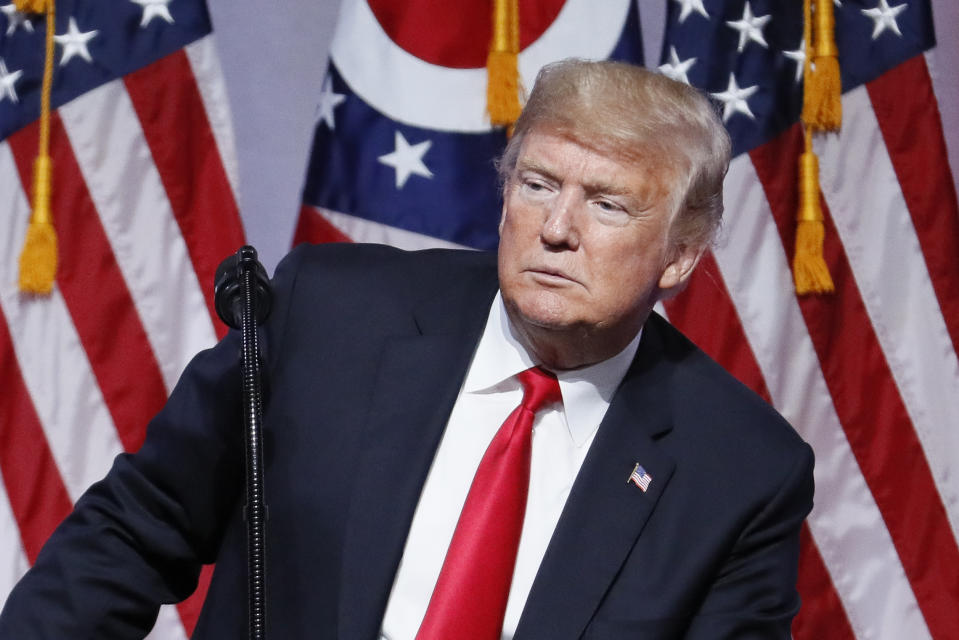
562 435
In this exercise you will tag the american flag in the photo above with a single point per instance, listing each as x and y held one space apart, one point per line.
869 376
143 200
640 478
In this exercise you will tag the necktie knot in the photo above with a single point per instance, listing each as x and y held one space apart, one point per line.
540 387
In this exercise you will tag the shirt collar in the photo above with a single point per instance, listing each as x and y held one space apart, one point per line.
586 392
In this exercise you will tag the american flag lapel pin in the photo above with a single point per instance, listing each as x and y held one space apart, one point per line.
640 478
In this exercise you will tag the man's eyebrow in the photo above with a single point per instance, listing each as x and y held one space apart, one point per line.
535 166
594 188
598 187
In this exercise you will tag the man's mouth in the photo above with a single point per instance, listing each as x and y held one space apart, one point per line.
551 276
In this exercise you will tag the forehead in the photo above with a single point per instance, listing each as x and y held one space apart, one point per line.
642 172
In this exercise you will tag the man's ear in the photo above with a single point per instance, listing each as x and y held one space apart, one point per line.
678 270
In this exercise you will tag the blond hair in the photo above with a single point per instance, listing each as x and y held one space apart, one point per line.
636 114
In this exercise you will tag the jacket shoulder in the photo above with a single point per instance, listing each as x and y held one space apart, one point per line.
725 412
344 259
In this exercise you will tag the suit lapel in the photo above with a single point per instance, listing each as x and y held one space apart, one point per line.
417 384
605 513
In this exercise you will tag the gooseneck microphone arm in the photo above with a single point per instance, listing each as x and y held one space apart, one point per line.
243 299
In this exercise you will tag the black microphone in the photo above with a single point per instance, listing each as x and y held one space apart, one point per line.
242 297
228 287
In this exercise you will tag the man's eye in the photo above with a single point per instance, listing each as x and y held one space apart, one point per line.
606 205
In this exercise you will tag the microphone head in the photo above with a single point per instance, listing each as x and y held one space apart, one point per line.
228 287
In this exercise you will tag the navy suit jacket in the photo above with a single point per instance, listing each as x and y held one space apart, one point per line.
365 351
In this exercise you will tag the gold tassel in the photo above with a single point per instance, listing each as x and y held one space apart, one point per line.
30 6
822 95
38 261
503 85
810 273
822 110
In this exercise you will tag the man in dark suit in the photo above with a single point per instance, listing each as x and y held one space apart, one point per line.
664 499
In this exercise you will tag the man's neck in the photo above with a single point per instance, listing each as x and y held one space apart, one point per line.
570 348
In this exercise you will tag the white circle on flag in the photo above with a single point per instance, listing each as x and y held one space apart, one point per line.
422 94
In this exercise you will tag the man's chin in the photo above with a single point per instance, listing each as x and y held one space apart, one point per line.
545 319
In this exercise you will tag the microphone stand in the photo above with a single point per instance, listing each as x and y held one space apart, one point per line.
243 299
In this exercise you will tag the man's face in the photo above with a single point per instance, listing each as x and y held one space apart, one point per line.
584 247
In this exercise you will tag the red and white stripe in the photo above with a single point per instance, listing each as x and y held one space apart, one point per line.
317 224
775 327
144 206
869 376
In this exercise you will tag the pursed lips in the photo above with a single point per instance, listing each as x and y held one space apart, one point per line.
551 276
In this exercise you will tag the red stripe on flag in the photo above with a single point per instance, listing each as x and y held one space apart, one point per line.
189 609
95 292
822 614
313 227
176 127
869 407
912 130
719 332
38 498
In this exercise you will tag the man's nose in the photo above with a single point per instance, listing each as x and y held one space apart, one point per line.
560 227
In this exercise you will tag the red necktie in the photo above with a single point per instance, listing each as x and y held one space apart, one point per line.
469 600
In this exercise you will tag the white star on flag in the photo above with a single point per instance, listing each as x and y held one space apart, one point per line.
329 100
734 99
15 19
75 43
750 28
688 6
676 68
7 80
154 9
407 159
884 18
799 57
